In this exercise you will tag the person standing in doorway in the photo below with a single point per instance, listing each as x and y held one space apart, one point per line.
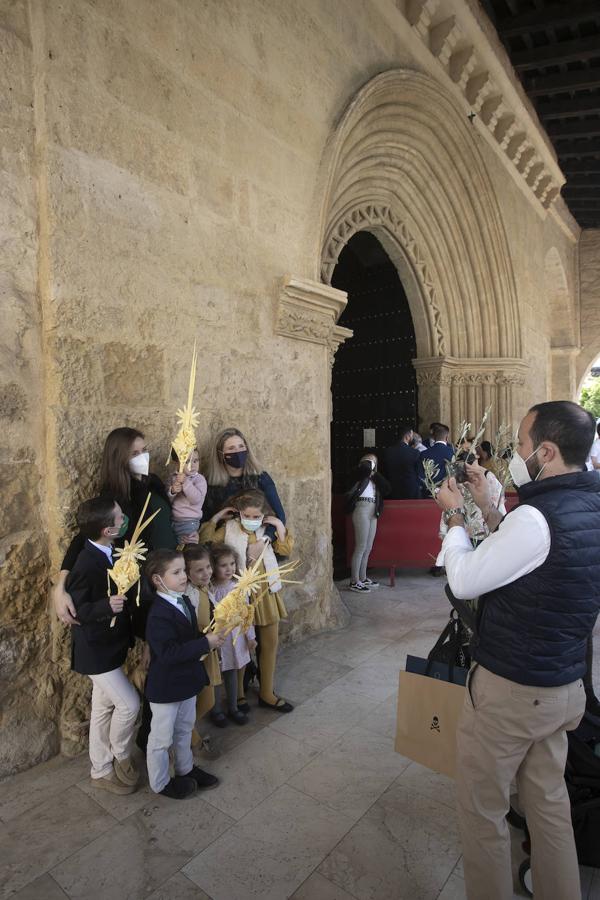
402 467
537 578
365 502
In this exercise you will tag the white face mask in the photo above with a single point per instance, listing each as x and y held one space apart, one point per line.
176 595
140 464
519 471
251 524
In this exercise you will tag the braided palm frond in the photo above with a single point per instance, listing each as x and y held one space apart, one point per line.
184 442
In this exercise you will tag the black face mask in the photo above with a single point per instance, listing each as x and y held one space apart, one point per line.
236 460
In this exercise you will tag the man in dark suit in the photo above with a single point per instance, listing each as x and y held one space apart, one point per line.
99 650
402 467
440 452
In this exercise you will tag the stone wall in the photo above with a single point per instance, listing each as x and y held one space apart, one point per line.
589 279
164 164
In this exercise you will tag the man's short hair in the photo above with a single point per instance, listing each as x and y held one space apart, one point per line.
404 430
94 515
440 432
566 424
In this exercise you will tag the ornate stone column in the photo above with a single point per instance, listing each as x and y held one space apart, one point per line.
308 311
456 390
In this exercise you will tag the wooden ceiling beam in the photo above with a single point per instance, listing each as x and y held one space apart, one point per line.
580 128
563 82
580 167
556 14
579 148
567 109
556 54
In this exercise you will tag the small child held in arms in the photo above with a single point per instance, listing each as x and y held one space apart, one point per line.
242 525
199 573
186 492
235 652
99 651
176 675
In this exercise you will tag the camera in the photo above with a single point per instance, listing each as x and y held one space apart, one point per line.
458 468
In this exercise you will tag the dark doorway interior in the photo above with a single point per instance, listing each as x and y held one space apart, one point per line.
374 383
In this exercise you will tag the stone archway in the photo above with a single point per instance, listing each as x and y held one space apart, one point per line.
404 164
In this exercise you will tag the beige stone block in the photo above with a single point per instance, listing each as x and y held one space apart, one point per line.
325 718
178 887
43 888
351 775
60 830
405 846
318 888
101 869
280 843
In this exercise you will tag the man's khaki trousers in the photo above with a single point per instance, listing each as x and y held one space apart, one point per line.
509 732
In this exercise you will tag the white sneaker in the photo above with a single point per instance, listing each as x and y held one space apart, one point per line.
371 584
359 587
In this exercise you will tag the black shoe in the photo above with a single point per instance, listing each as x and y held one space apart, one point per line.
180 787
219 719
203 779
244 707
238 717
437 571
281 706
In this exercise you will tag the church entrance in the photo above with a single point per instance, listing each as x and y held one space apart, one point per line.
374 383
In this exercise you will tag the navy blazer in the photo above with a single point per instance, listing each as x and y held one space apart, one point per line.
176 672
95 646
402 469
441 454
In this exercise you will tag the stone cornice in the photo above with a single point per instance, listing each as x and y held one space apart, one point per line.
451 371
308 311
460 41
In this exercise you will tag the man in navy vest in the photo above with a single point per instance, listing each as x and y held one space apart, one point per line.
538 580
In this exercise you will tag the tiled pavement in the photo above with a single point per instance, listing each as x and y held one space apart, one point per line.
314 805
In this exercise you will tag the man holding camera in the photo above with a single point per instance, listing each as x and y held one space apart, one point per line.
538 582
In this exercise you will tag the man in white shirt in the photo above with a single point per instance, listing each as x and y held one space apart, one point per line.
537 578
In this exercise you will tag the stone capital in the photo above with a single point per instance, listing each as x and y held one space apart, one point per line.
446 370
308 310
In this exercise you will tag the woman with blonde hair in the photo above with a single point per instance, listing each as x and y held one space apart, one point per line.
232 467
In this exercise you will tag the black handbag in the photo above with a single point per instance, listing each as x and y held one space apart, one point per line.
452 646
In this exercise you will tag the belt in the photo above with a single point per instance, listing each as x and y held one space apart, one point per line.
366 499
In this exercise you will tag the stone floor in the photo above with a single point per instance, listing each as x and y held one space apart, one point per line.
314 805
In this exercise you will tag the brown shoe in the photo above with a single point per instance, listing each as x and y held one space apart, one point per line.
111 783
126 771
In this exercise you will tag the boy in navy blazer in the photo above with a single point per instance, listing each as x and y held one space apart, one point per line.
99 650
175 676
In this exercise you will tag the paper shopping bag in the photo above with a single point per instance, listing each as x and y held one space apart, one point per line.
428 712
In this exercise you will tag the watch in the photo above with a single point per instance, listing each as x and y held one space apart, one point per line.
455 511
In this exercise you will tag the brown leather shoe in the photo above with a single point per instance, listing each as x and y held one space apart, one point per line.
126 771
112 784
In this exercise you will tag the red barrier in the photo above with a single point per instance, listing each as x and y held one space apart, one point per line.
407 535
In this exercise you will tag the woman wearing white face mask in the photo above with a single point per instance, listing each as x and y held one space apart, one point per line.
242 525
124 475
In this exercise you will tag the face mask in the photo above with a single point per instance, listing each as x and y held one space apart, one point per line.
369 463
236 460
140 464
519 471
123 528
251 524
176 595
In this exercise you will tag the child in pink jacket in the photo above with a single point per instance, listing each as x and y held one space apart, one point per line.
186 493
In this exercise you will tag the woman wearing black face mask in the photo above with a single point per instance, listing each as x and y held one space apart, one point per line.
232 467
365 501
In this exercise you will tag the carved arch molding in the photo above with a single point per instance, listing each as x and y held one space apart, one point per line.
405 165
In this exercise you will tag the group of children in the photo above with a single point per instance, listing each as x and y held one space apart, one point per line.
191 670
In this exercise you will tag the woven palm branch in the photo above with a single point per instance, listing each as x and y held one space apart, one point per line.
238 606
126 569
184 442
